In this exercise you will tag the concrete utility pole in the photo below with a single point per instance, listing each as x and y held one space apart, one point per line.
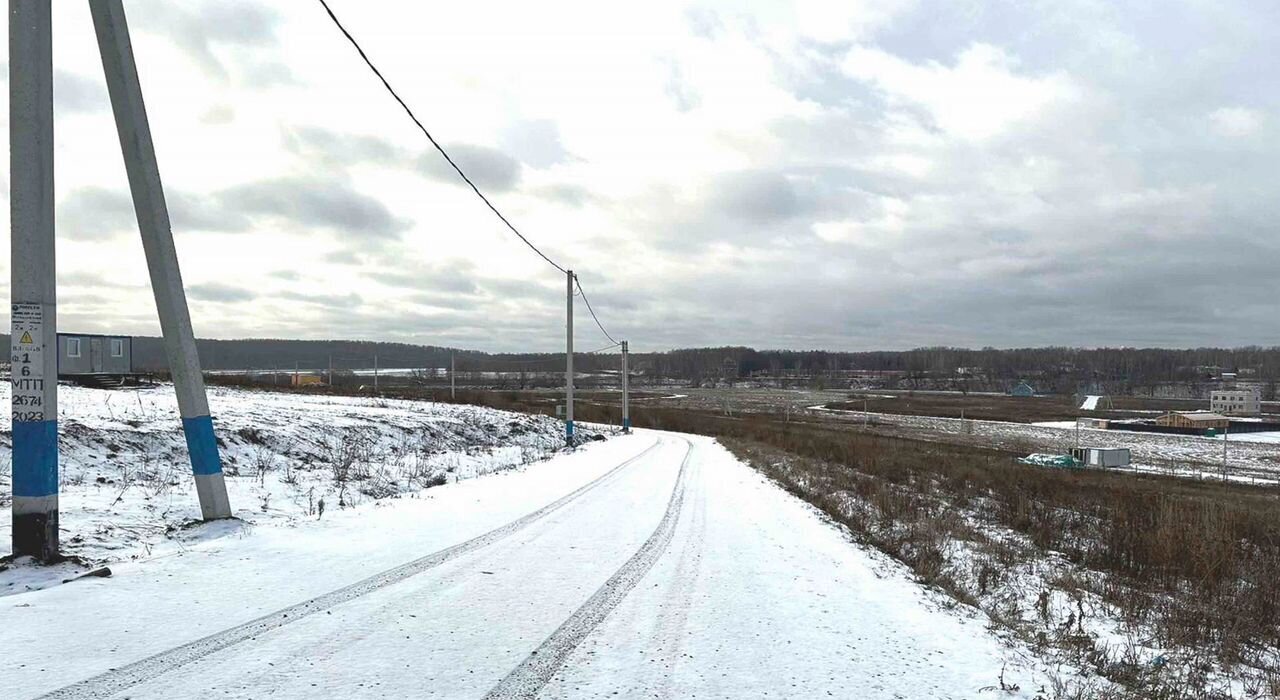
568 361
162 257
626 396
453 385
330 370
375 373
1225 432
33 292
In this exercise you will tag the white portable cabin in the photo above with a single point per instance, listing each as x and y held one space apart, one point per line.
1102 456
84 354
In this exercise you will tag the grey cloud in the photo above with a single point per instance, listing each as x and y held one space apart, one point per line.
343 301
703 22
522 289
313 202
269 74
333 148
204 27
445 301
535 142
760 197
456 277
218 115
77 94
491 169
679 90
218 292
343 257
1119 217
95 213
752 207
572 195
91 279
192 212
287 275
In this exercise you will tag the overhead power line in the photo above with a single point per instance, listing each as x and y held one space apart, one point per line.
432 139
463 175
593 312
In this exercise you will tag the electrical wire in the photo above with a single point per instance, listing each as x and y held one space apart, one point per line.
368 62
607 347
593 312
432 139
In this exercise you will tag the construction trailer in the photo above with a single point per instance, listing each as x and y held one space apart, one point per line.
1102 456
85 356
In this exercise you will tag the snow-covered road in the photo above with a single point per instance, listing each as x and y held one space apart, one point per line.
654 565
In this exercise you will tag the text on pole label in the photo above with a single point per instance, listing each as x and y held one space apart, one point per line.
26 362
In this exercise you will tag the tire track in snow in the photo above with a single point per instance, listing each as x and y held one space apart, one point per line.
527 679
668 638
116 680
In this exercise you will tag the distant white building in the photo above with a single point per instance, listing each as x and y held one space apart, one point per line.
1238 402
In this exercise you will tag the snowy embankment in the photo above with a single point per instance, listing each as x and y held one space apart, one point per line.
125 478
652 565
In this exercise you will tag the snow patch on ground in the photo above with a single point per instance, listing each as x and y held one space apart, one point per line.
125 479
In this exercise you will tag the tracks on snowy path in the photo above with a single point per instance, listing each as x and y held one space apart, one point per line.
116 680
527 679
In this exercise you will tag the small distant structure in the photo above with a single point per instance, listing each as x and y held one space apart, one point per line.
1094 402
1200 420
1023 389
1101 456
1236 402
298 380
95 359
729 368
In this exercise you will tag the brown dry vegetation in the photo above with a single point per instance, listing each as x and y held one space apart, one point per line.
1194 565
1011 408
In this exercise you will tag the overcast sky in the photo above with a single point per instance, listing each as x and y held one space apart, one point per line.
843 175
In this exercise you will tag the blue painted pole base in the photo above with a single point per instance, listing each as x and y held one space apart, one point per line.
206 464
626 425
568 432
35 490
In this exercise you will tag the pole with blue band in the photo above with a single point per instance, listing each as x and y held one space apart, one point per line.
33 312
568 362
162 257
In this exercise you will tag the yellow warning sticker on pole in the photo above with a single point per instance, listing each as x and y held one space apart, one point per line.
26 362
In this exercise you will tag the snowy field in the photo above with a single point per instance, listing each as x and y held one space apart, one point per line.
125 479
1249 457
651 565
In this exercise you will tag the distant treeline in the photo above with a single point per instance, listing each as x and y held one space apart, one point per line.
1056 368
1120 371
